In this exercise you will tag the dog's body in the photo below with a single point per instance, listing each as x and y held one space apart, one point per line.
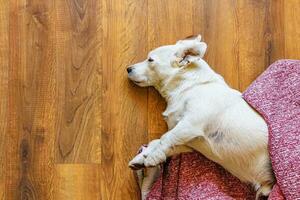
203 114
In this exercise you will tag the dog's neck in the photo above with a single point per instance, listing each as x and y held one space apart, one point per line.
176 85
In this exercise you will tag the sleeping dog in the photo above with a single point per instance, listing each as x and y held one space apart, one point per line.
203 114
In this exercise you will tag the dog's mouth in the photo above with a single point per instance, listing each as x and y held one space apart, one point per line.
140 83
134 81
137 82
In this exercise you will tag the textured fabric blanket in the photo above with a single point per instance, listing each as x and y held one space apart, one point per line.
276 96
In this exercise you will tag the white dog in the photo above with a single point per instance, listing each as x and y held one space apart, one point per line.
203 114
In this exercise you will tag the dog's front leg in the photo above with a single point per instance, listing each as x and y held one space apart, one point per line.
138 161
182 133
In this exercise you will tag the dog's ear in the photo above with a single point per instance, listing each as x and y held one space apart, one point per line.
188 62
191 46
191 37
188 48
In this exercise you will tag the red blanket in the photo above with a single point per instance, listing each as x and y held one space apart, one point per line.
276 96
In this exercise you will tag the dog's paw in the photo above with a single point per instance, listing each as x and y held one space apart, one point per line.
137 162
154 158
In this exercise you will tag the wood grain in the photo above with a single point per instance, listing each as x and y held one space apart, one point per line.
222 36
77 182
276 29
254 40
78 44
32 105
291 29
69 118
4 63
124 108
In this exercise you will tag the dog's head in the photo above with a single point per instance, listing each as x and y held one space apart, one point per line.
167 61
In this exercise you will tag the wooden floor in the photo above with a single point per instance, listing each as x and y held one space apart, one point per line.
70 120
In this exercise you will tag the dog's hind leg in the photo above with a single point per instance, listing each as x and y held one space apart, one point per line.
264 190
146 178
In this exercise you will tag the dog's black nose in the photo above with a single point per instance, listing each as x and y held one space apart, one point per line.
129 69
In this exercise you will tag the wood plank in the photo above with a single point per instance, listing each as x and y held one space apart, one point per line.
4 63
284 27
276 29
167 23
32 96
77 182
124 113
14 135
254 40
78 42
222 36
292 29
199 17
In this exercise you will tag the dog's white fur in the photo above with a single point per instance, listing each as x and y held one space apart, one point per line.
204 114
